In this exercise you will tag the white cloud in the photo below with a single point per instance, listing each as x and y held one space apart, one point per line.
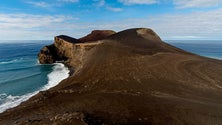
196 3
69 1
39 4
198 25
27 26
178 3
28 20
48 5
114 9
130 2
102 4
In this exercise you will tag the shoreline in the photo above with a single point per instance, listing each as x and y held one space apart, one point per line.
133 77
17 100
71 69
70 72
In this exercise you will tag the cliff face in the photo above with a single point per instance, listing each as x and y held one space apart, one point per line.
130 77
70 50
47 55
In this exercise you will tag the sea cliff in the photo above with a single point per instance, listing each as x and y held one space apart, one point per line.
124 78
71 51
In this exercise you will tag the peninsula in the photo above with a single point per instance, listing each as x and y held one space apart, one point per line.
127 78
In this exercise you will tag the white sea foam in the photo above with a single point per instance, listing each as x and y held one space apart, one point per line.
7 62
217 58
11 61
13 101
59 73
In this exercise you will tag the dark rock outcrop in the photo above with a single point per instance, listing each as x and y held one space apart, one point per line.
47 55
129 78
59 51
70 50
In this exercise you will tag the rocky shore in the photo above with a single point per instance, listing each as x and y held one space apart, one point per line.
129 77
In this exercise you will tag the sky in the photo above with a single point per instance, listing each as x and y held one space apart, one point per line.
170 19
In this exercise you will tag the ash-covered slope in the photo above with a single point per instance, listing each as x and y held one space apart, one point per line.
97 35
130 77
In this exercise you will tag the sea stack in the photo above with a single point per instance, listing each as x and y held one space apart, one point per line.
127 78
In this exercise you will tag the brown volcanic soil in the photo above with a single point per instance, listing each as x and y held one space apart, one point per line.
131 78
96 35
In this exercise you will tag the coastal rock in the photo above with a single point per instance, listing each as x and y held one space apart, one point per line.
70 50
128 78
64 47
47 55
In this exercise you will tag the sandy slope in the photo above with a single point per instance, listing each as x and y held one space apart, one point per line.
131 77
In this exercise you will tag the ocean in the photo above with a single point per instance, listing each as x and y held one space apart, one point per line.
208 48
21 76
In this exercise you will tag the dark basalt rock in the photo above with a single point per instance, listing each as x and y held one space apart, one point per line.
47 55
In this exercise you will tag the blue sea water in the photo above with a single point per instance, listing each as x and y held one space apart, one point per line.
208 48
22 77
20 74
